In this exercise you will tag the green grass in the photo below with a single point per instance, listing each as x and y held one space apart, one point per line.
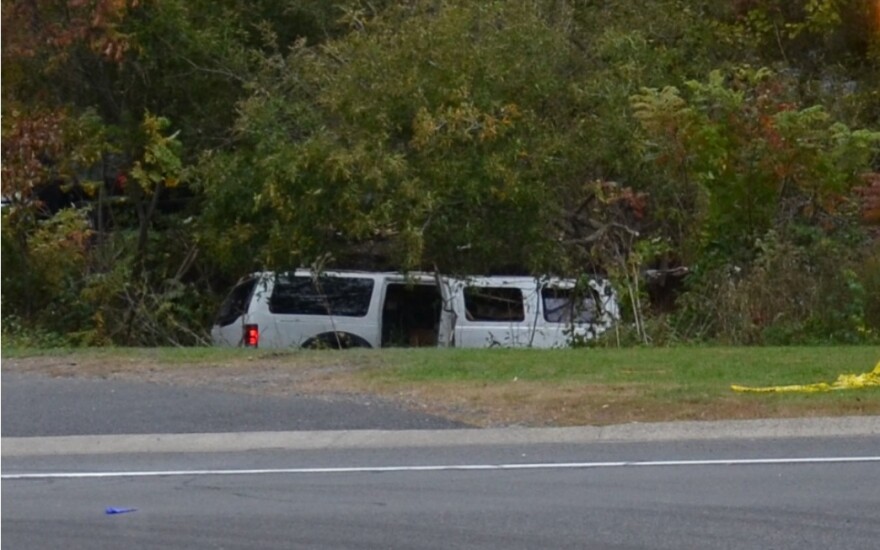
681 366
684 366
596 386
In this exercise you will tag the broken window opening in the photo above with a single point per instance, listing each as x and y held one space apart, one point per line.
493 304
411 315
569 305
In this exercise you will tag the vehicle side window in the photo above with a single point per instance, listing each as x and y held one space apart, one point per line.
566 305
300 295
236 304
493 304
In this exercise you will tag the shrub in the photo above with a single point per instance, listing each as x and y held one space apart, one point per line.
807 288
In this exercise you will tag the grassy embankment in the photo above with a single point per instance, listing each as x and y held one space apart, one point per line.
510 387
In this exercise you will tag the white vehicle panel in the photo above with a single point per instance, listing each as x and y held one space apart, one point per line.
416 309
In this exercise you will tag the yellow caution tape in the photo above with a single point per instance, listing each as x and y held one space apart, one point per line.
843 382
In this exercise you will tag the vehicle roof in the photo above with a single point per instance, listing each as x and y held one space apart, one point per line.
428 276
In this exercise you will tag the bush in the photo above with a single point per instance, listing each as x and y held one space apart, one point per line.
63 286
807 288
43 266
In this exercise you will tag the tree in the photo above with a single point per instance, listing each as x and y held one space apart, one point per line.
79 78
758 159
470 137
433 130
776 241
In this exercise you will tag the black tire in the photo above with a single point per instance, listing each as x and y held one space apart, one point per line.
336 340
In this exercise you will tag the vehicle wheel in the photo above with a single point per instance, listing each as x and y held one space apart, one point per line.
337 340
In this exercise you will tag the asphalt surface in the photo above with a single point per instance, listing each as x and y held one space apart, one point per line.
34 405
223 500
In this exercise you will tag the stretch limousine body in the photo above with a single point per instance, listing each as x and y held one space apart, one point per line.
339 309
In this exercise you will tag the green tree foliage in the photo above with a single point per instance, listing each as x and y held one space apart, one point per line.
756 157
775 241
78 77
53 255
832 47
209 138
433 131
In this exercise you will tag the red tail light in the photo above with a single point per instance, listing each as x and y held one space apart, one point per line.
251 336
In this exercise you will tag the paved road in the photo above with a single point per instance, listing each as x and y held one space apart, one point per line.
803 484
35 405
569 496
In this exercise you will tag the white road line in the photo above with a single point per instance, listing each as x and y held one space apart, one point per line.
441 468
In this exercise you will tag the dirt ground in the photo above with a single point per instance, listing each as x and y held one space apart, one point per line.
269 376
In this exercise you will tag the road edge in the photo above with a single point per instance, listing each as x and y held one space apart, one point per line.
850 426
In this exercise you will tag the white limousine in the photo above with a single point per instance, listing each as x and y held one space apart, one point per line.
339 309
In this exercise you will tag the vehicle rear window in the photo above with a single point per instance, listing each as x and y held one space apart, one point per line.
567 305
493 304
236 304
302 295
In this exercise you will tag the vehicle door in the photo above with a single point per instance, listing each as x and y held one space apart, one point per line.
573 313
448 316
304 307
497 313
